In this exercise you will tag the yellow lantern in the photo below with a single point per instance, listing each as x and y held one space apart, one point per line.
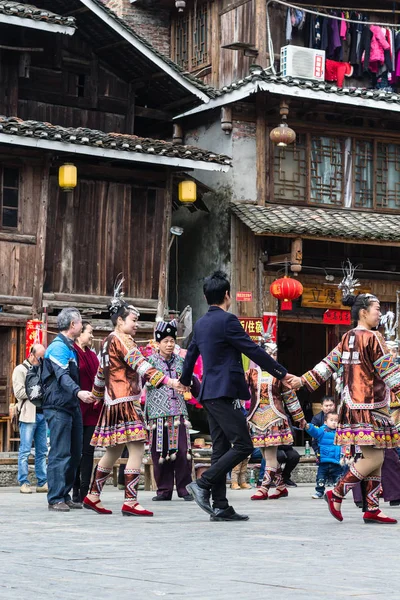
67 177
187 192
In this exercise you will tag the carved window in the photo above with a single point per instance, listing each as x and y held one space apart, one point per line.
191 37
338 171
9 197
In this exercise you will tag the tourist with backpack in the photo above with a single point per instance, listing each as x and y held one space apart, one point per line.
32 424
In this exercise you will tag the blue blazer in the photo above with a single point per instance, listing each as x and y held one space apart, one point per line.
221 340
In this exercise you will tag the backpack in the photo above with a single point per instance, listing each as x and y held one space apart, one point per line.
33 385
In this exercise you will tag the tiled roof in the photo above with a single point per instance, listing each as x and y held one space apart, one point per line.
112 141
318 222
259 74
27 11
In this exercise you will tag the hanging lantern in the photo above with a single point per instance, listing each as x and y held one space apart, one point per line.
283 134
67 177
286 290
187 192
180 5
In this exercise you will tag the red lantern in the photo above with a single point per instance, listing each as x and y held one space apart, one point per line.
286 290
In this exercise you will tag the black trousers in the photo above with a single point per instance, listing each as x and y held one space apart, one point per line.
289 456
84 472
231 444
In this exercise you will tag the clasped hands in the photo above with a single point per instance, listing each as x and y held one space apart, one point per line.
292 381
178 386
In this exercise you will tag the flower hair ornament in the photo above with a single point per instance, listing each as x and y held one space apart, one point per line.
349 283
117 301
388 320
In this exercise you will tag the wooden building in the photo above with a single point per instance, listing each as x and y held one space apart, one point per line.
80 87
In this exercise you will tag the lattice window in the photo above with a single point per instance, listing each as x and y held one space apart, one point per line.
191 37
363 174
387 170
290 171
9 197
326 170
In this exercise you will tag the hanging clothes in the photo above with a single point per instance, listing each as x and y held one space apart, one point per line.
336 71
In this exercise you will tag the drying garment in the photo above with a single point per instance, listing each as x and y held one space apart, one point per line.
336 71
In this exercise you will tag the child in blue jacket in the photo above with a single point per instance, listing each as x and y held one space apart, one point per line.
329 468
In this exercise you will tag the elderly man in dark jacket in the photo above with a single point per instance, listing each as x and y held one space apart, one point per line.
221 341
60 379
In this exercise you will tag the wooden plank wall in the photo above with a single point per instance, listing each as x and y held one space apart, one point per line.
100 230
236 25
245 265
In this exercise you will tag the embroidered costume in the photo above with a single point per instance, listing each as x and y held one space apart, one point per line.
119 383
168 421
369 373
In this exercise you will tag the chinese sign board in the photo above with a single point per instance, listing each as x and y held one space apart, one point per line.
324 296
337 317
34 335
254 326
244 296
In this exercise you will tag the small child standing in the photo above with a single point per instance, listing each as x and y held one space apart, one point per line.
329 468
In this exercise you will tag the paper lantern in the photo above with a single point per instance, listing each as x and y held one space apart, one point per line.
67 177
286 290
282 135
187 192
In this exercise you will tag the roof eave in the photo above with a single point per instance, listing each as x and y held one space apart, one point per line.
138 157
327 238
106 18
34 24
285 90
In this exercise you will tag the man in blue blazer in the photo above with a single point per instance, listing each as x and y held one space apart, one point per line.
221 341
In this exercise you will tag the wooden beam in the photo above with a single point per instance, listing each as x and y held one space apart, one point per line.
38 273
20 48
104 301
164 263
152 113
260 12
17 238
130 113
325 238
142 80
110 46
215 44
261 148
20 300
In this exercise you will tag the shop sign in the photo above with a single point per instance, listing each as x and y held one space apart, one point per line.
324 296
253 326
244 296
337 317
34 335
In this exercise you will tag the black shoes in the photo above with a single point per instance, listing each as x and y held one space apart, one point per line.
201 496
227 514
72 504
394 503
290 483
161 499
187 498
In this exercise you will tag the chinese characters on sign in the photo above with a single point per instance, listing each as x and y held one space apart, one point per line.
244 296
253 326
323 296
337 317
34 335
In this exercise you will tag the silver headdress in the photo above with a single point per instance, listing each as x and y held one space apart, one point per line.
388 320
348 284
117 301
266 339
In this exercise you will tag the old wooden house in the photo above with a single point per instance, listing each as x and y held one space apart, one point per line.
78 86
333 194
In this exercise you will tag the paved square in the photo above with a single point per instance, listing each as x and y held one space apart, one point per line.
291 549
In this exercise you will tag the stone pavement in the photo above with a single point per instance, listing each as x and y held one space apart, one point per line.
291 549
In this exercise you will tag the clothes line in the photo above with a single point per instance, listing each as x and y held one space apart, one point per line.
328 16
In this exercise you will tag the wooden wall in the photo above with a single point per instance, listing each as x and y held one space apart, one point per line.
101 229
236 25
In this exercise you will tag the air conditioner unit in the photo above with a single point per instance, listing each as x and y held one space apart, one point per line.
304 63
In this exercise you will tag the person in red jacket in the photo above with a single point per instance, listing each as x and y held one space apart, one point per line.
88 364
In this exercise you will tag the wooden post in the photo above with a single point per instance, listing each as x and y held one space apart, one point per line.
215 43
177 133
261 32
296 257
164 263
130 113
38 273
261 148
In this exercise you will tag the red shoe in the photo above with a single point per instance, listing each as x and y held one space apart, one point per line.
279 494
87 503
374 517
258 497
330 499
131 511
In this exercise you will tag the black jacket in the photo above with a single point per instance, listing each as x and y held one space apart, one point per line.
221 340
60 375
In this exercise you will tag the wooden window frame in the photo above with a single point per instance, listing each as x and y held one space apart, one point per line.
190 36
341 136
16 209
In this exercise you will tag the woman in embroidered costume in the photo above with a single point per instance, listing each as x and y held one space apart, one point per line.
168 420
369 374
269 425
118 384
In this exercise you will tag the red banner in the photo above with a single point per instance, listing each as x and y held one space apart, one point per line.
34 335
337 317
244 297
253 326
